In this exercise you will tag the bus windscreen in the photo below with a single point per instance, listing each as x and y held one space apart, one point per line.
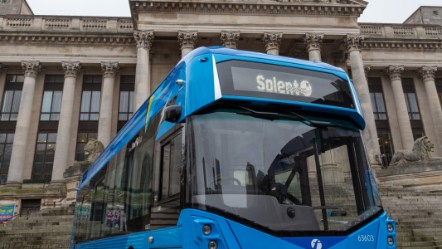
261 80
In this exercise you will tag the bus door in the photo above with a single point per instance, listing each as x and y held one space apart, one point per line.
169 164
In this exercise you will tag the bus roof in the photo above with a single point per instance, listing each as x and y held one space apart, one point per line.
249 54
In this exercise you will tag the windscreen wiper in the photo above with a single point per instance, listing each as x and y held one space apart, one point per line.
292 116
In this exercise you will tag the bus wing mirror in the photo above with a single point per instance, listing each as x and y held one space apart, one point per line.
172 113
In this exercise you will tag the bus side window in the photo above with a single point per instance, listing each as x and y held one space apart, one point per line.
169 167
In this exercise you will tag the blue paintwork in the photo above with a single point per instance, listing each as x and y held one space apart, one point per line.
163 238
232 235
197 92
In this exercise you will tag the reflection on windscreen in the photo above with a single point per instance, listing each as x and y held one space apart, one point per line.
281 174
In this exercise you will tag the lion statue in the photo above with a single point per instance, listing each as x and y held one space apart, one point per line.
421 152
92 150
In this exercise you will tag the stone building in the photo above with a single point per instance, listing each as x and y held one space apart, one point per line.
65 79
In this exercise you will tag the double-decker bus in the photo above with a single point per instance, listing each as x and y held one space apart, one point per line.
237 150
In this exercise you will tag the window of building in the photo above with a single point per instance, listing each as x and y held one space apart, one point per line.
6 140
385 145
11 97
89 113
126 106
44 156
51 104
126 103
90 98
413 108
381 119
411 99
377 98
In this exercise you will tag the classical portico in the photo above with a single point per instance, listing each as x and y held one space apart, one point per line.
162 33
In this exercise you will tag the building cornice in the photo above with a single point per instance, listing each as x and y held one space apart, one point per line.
96 39
402 44
268 7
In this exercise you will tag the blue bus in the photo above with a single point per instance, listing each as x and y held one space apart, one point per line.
237 150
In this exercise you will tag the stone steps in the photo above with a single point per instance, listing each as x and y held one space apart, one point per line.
418 216
44 230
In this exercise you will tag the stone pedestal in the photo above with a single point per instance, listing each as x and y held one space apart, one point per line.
72 179
425 176
332 174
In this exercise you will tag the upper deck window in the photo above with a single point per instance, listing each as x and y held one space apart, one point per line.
261 80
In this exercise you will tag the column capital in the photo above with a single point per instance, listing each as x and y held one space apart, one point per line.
71 68
313 41
272 40
31 68
394 72
353 42
428 72
144 38
187 39
109 69
230 38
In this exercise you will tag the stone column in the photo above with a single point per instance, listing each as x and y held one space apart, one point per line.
105 122
401 107
272 42
15 173
427 73
354 43
187 40
230 39
313 42
61 162
142 76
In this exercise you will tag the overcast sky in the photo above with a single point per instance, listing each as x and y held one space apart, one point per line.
384 11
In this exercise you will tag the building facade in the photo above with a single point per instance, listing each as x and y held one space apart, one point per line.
66 79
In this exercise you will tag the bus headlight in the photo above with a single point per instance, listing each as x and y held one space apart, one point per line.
213 244
390 240
207 229
390 227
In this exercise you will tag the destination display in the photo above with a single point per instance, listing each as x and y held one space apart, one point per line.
270 81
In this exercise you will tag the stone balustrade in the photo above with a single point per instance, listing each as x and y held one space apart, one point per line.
66 23
402 31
